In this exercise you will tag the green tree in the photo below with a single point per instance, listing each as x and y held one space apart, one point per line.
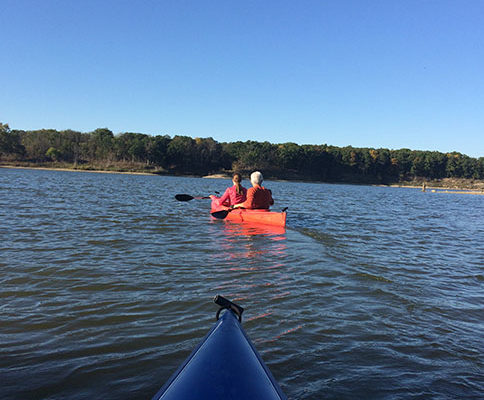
289 156
434 165
10 142
480 168
131 146
180 153
70 145
36 144
317 162
101 145
209 155
256 155
157 150
402 161
454 165
418 164
53 153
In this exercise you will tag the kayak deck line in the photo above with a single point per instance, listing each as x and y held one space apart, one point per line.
241 215
225 365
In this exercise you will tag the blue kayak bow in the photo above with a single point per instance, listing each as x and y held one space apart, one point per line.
225 365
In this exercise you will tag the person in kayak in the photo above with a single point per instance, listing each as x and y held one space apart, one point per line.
234 194
258 197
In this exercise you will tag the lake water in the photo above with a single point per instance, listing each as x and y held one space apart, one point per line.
106 285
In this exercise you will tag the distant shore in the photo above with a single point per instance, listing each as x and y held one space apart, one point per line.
446 185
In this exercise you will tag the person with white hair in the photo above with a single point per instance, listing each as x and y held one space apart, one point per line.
258 197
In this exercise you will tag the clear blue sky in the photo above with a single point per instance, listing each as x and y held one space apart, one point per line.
388 73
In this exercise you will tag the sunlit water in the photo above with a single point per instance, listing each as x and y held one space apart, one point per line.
106 284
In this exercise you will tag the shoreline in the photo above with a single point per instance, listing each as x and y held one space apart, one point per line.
430 188
97 171
437 189
217 176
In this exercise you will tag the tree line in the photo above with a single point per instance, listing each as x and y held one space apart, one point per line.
202 156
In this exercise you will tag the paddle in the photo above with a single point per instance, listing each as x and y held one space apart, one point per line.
222 213
187 197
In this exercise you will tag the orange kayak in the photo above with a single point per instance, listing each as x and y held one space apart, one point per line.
239 215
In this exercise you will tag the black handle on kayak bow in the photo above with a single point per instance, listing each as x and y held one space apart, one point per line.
228 305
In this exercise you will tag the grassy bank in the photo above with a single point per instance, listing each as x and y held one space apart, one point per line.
114 167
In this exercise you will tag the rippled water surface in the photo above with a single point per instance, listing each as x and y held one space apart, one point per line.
106 284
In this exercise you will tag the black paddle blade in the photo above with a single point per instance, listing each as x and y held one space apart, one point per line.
184 197
220 214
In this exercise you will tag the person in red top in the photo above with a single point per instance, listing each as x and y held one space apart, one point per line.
234 194
258 197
